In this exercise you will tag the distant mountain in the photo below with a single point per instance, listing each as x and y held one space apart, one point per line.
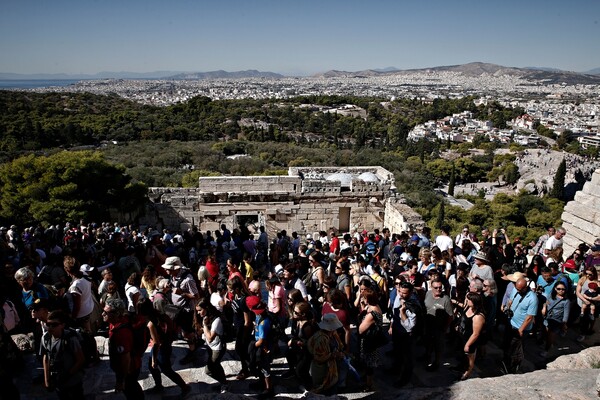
251 73
387 69
478 68
595 71
547 69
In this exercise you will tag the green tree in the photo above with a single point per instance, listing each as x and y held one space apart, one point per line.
511 174
558 187
452 179
441 216
65 186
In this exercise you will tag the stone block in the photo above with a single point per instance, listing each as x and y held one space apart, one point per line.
575 231
593 190
582 224
211 212
586 199
582 211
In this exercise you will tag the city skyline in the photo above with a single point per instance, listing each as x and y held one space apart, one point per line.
294 38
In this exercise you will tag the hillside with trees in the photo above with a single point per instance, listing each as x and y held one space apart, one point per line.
174 145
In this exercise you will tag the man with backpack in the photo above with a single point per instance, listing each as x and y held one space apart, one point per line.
63 358
123 361
185 295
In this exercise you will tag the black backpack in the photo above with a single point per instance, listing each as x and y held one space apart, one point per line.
86 341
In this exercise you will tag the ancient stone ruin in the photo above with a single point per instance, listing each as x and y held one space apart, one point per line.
581 217
307 200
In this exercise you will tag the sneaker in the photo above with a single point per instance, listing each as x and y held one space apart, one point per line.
242 376
224 388
189 357
266 394
431 367
156 389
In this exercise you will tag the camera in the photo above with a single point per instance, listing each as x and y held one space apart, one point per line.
509 313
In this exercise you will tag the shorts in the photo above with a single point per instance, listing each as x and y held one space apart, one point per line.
185 320
553 325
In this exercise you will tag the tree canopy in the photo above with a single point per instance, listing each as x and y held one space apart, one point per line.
65 186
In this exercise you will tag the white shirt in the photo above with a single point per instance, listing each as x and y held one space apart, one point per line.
216 328
83 288
215 299
130 292
444 242
553 243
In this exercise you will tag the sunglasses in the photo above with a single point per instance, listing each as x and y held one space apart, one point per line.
436 287
562 289
397 283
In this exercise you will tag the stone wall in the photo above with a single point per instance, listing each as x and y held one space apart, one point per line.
234 184
304 201
581 217
400 217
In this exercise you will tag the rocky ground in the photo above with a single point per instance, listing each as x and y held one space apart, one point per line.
572 371
537 168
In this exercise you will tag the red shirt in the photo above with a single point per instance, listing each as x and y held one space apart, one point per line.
120 341
334 246
341 314
212 268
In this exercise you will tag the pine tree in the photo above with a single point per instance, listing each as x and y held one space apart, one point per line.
441 215
558 187
452 179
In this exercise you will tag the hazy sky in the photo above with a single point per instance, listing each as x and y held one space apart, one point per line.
294 36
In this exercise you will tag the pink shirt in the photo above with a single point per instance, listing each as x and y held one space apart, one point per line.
277 292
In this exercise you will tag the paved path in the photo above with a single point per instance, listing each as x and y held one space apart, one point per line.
99 380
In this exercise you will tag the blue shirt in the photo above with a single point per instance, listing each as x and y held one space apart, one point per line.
263 327
547 287
523 307
37 291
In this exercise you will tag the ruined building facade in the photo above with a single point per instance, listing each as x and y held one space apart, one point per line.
307 200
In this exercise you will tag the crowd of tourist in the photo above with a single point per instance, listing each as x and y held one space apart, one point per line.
326 302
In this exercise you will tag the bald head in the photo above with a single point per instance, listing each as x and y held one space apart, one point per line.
521 284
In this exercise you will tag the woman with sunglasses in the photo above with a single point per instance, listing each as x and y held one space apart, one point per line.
556 314
303 327
586 321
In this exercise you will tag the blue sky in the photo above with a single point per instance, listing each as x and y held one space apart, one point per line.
294 37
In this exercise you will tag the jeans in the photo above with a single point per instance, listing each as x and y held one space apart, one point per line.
403 354
214 364
163 359
513 350
131 388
